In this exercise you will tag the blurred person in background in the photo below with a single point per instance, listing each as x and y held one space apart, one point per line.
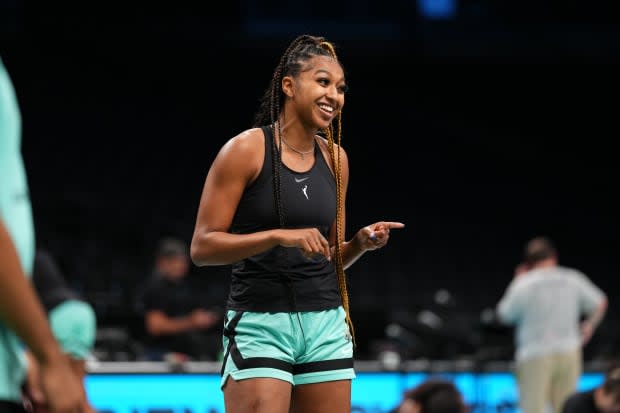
604 398
179 325
547 303
21 312
73 323
432 396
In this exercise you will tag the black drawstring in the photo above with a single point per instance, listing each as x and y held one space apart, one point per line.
289 283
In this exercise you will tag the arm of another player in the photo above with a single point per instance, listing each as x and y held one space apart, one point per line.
21 310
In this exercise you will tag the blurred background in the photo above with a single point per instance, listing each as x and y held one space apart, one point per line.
479 124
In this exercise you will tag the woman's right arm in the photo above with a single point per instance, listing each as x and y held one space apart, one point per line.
235 166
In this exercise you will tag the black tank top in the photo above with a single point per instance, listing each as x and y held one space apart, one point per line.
282 279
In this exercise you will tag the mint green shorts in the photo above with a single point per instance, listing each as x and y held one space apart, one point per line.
74 325
300 348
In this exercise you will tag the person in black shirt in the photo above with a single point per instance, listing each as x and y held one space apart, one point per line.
177 322
602 399
273 207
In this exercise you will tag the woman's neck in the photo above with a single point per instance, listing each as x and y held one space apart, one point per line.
296 134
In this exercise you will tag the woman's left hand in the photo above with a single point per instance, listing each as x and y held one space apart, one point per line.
376 235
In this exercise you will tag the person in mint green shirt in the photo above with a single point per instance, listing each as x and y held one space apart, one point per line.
22 317
71 317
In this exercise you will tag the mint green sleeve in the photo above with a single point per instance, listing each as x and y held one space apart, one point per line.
74 325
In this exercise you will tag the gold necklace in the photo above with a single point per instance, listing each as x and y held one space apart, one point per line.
302 153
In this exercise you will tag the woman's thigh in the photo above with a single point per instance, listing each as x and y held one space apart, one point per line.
257 395
325 397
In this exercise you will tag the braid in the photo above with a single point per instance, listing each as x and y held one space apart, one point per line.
276 152
330 48
342 280
269 113
300 50
274 115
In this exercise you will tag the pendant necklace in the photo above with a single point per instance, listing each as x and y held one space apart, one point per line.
302 153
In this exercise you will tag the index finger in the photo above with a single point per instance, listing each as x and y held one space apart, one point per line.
392 225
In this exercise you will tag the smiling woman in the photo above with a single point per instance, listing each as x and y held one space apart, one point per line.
273 206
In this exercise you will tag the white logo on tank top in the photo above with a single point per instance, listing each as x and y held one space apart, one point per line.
305 191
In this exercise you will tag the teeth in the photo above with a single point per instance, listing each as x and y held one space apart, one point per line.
327 108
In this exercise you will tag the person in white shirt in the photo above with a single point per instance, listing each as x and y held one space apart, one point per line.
546 303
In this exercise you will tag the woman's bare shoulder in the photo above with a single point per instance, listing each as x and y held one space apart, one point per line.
248 140
243 153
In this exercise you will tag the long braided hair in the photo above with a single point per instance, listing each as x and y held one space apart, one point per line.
300 50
